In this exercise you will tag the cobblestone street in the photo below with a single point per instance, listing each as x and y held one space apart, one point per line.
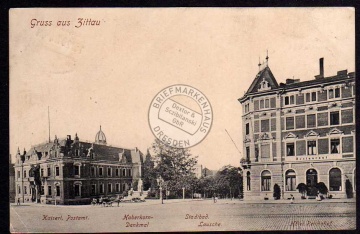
185 215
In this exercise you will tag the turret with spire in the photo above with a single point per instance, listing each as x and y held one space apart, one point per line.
265 63
100 137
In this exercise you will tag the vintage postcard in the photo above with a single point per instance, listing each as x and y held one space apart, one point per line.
182 119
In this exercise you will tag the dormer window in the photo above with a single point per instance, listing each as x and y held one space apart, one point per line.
264 85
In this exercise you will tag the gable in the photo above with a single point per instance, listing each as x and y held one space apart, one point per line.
290 136
312 133
264 81
335 131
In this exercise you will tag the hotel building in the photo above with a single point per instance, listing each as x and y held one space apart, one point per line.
299 132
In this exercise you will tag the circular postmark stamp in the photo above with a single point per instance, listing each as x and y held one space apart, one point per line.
180 116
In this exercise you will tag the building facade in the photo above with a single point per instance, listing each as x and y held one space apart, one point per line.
73 172
198 168
299 132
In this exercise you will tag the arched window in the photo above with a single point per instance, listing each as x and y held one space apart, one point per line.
265 181
335 179
290 180
57 188
248 186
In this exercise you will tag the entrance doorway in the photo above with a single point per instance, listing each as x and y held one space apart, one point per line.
311 181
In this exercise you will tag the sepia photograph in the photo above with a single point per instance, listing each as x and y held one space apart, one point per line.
181 119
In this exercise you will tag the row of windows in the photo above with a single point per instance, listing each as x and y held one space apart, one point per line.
109 188
332 93
42 190
324 119
77 172
309 147
77 189
308 97
335 147
335 181
48 172
118 171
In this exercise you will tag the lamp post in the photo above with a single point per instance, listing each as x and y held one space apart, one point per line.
160 182
183 188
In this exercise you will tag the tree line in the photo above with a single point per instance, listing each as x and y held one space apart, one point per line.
172 169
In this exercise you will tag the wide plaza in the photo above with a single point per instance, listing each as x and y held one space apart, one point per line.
186 215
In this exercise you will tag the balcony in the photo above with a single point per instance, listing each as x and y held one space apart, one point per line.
245 163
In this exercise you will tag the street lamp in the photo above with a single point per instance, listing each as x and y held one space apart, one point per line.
183 188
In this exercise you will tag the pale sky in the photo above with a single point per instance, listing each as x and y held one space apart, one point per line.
108 74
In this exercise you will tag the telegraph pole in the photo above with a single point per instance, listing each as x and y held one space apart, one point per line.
49 121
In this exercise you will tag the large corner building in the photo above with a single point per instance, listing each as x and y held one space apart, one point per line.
299 132
71 171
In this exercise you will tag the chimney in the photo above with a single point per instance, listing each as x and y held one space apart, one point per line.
342 73
289 81
321 67
292 81
321 61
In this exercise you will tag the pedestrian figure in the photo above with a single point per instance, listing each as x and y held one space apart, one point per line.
214 198
18 202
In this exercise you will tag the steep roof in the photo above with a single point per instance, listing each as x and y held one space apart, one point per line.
103 152
264 75
44 147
